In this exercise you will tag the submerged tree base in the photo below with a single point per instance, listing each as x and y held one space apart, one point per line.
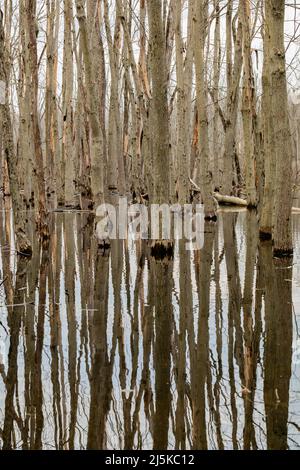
162 249
211 217
104 247
265 234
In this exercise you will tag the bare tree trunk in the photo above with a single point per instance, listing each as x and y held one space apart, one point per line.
159 106
82 153
182 129
282 232
233 83
42 217
266 218
97 154
23 242
68 109
201 19
116 176
25 145
127 97
248 106
215 93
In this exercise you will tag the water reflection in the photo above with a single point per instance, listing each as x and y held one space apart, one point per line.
117 350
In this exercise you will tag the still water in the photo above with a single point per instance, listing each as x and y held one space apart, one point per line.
116 350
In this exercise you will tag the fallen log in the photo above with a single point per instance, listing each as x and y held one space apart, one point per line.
233 200
230 200
223 199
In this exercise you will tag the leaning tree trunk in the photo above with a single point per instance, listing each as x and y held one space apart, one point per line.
23 244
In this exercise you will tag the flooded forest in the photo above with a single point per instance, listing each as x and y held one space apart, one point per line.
117 333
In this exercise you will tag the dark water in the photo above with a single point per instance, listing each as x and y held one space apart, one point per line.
124 352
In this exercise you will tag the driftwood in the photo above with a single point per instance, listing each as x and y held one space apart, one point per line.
230 209
231 200
223 199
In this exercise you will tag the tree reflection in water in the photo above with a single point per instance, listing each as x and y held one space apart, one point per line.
119 350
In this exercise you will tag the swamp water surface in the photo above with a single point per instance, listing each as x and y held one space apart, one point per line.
119 351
